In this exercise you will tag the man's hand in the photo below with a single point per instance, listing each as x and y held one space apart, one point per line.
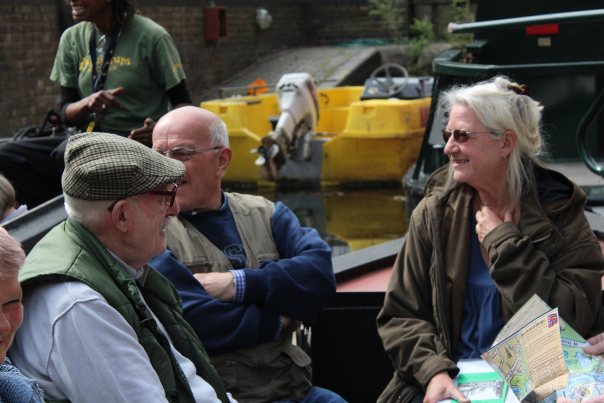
598 399
144 134
219 285
441 387
597 345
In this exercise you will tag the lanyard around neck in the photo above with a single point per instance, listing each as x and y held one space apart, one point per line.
99 82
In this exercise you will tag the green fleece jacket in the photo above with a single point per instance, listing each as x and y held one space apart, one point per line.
552 252
83 258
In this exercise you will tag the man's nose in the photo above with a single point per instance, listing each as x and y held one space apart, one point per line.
173 210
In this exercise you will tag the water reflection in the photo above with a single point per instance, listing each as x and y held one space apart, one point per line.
348 220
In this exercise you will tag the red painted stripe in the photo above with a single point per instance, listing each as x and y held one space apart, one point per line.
373 281
549 29
423 113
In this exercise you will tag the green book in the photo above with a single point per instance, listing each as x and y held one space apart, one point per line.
482 387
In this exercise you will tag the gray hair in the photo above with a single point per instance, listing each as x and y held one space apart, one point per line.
11 255
499 108
7 195
86 212
89 213
219 135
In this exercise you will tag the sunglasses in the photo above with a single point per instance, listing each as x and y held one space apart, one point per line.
461 136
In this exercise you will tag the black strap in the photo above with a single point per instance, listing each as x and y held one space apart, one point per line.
99 83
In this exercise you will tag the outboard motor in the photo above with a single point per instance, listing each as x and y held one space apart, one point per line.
297 97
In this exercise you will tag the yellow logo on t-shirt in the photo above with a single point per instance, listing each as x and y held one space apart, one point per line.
122 61
85 63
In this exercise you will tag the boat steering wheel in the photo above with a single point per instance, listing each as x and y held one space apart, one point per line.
385 85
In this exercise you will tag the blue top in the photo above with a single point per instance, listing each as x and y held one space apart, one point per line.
297 286
482 316
16 387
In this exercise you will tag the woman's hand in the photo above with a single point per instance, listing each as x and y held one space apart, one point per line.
144 134
597 344
100 101
103 100
441 387
487 220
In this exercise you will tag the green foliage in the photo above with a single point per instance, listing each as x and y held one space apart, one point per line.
422 29
393 13
460 13
422 32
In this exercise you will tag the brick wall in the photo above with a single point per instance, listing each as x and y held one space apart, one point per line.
208 63
332 22
30 32
29 35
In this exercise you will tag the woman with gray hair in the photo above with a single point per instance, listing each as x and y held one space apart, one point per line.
14 386
8 202
495 227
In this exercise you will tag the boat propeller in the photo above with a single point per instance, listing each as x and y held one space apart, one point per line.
270 157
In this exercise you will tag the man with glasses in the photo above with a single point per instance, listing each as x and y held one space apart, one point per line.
100 325
246 270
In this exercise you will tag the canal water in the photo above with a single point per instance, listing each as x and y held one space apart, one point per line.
347 220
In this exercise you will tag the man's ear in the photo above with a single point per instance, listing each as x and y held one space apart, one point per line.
224 158
508 144
121 215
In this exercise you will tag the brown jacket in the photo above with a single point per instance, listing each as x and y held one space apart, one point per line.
551 252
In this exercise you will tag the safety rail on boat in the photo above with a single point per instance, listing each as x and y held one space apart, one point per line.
573 16
449 63
591 115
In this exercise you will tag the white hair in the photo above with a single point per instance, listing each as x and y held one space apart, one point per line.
89 213
86 212
11 255
219 135
7 195
500 108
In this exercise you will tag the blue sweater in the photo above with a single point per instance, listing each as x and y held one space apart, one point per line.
297 286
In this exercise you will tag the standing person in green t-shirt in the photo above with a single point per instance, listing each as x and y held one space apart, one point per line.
142 65
118 71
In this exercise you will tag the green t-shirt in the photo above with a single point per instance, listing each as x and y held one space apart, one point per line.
145 63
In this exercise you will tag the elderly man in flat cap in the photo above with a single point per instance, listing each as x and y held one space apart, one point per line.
100 325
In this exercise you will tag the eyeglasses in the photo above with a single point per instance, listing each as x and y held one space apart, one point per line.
184 153
461 136
171 193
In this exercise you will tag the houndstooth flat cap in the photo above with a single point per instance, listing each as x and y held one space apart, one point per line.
103 166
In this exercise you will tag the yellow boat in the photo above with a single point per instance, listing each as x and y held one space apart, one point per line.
357 142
